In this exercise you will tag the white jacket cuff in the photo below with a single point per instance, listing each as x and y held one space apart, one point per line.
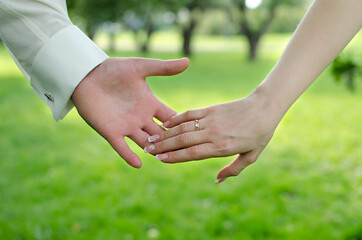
60 65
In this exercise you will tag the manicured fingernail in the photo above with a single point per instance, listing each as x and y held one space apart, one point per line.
166 124
220 180
149 148
153 138
161 157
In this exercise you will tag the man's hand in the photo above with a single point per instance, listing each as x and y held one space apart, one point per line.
117 102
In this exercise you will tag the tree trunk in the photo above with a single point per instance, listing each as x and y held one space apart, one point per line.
254 36
187 34
350 82
253 46
253 40
144 47
149 31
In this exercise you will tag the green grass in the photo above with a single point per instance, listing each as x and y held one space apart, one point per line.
63 181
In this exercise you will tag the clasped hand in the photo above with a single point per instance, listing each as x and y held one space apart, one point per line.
242 127
116 101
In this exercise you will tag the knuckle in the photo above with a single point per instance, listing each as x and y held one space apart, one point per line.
171 157
182 128
136 64
211 110
159 147
223 147
216 131
189 114
193 152
166 68
134 61
215 109
224 144
163 135
251 160
182 139
234 172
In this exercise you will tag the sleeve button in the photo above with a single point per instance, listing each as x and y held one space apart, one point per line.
49 97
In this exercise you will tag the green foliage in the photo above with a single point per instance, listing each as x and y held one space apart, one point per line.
216 22
253 23
258 17
346 69
189 4
145 17
93 13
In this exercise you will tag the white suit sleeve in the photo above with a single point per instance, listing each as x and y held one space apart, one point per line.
49 50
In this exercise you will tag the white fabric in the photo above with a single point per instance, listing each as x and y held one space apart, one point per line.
49 50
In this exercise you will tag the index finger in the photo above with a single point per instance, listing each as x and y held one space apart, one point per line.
164 112
186 117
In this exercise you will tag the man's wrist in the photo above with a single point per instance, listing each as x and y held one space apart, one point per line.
60 65
78 89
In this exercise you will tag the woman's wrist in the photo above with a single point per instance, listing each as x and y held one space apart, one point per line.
267 102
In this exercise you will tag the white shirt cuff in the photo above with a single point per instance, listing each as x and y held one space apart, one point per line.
60 65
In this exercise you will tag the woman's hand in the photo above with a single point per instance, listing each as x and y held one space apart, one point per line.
242 127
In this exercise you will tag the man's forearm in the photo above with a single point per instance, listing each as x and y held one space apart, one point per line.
50 51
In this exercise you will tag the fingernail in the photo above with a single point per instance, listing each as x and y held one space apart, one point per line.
153 138
161 157
220 180
166 124
149 148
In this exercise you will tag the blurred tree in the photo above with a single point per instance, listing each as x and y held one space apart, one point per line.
188 13
287 18
136 15
216 22
140 19
141 26
94 13
345 68
254 21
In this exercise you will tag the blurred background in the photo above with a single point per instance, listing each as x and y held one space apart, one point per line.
63 181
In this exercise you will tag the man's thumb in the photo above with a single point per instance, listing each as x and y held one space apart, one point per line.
156 67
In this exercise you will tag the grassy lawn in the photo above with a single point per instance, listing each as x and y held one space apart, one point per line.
63 181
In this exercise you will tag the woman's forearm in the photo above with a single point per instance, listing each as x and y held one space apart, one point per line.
245 126
324 31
